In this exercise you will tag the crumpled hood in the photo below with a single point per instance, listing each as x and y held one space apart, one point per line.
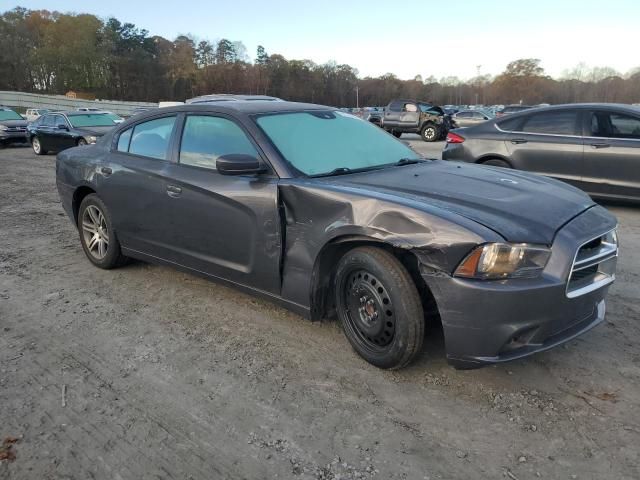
520 206
95 131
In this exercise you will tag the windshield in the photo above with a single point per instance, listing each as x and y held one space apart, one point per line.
320 142
9 115
91 120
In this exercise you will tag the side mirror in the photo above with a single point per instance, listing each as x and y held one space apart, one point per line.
239 164
62 126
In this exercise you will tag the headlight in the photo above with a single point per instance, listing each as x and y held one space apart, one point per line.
4 127
504 260
91 139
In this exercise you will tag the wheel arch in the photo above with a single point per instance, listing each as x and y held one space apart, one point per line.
493 156
78 195
324 269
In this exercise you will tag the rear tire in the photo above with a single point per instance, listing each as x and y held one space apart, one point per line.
37 146
396 134
98 239
379 307
496 162
430 133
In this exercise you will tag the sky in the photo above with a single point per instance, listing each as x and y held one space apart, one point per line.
407 38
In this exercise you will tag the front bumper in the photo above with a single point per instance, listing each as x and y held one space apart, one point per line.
9 136
488 322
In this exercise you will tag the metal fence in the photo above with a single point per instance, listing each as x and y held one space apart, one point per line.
60 102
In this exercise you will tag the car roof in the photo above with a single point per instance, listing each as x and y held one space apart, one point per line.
247 107
619 106
229 97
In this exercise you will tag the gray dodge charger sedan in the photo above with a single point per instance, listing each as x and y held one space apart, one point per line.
331 216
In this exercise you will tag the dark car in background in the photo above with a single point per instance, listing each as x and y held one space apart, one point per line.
595 147
509 109
469 118
410 116
328 215
13 128
56 131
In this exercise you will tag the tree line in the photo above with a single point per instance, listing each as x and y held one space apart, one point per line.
52 52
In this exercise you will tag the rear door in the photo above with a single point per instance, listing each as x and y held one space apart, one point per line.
549 143
133 183
612 153
43 132
392 114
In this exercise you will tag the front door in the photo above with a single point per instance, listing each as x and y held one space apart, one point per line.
227 226
549 143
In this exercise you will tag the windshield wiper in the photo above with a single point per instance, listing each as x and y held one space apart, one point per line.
335 171
409 161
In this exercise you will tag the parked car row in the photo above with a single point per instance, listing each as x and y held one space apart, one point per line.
595 147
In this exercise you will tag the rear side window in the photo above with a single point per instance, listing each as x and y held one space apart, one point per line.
555 122
614 125
206 138
395 107
151 139
510 124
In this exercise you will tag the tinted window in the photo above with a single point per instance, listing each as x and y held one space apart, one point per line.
151 139
557 122
59 120
395 106
464 115
510 124
123 140
204 139
614 125
49 121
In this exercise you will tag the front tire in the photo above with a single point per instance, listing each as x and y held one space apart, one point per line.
37 146
430 133
379 307
81 142
98 239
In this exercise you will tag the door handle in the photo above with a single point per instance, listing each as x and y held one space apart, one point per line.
173 191
600 145
518 141
106 171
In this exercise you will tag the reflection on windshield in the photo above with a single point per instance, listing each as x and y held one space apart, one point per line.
91 120
325 141
9 115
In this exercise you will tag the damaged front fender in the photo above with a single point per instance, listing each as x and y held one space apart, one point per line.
318 218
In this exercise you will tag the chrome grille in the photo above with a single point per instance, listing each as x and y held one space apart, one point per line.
594 265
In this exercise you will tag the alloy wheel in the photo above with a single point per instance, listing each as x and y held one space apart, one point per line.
36 145
95 232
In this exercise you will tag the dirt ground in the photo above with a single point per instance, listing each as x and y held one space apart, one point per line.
147 373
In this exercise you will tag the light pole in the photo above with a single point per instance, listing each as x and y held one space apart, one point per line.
357 97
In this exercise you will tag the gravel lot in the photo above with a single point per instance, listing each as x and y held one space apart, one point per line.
145 372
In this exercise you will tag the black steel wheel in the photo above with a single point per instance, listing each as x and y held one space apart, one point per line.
379 307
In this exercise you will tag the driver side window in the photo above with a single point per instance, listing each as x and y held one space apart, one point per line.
205 138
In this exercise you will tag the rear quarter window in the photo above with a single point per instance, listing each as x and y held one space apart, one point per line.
510 124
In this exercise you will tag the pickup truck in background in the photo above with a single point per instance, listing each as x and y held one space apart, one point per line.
410 116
